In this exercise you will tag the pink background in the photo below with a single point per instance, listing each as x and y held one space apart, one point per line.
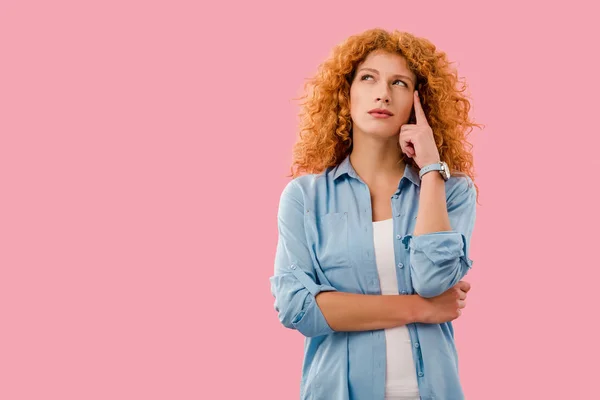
144 146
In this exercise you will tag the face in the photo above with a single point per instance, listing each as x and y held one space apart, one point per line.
383 80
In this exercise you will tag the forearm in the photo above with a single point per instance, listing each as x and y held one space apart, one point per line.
433 214
363 312
439 256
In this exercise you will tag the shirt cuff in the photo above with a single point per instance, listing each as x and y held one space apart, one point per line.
311 321
439 247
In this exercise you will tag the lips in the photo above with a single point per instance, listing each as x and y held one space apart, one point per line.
380 112
376 114
380 115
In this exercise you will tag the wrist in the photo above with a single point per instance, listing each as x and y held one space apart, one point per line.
432 175
429 168
418 308
433 161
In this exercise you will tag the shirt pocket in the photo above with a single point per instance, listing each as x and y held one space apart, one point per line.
331 244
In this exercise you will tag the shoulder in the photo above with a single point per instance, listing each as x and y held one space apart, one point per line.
310 191
460 186
301 186
308 184
459 180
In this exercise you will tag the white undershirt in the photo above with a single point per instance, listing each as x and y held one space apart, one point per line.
401 376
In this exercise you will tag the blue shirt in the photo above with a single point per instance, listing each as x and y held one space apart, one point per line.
325 243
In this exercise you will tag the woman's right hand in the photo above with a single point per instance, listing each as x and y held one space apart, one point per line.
445 307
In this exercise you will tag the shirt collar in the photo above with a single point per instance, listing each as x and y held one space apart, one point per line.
345 167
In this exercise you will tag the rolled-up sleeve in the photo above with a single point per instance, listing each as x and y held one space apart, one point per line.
293 284
439 260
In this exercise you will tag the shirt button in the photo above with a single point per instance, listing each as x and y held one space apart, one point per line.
398 237
404 292
395 196
398 214
420 374
293 267
400 265
417 344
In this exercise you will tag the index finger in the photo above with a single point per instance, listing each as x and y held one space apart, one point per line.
419 113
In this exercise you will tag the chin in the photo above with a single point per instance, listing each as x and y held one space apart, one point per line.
382 133
382 129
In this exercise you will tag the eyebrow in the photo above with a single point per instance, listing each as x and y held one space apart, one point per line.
396 75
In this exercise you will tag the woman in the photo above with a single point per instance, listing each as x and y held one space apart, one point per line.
374 237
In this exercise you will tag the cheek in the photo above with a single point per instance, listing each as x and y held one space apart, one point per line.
354 106
404 113
357 101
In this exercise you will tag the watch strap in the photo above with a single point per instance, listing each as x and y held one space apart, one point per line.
431 167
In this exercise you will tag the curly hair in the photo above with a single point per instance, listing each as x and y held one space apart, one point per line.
325 136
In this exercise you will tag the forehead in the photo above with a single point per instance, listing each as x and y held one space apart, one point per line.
386 63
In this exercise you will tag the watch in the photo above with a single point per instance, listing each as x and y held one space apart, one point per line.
441 166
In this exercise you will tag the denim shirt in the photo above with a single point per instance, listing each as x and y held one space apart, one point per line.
325 243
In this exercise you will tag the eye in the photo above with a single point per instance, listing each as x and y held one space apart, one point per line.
364 77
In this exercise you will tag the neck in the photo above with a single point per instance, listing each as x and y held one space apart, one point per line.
377 161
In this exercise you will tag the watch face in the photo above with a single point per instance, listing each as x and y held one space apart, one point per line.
445 171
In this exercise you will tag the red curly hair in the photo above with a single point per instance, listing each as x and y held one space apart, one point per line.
325 137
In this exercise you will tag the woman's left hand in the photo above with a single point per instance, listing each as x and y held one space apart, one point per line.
416 140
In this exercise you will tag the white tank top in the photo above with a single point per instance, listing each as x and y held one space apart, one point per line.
401 376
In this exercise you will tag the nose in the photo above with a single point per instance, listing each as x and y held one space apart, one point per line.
384 95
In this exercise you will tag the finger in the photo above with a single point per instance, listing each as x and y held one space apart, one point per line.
464 286
404 140
409 151
409 128
419 113
462 295
462 304
406 145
